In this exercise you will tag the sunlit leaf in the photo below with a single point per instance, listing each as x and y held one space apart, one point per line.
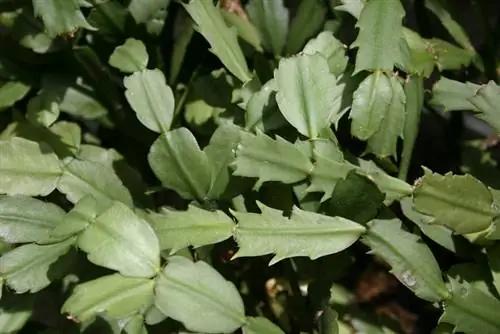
130 56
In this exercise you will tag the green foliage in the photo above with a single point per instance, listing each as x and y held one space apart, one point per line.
233 166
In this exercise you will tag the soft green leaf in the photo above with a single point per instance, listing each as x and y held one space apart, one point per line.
110 18
486 99
471 310
60 16
185 289
28 168
326 173
262 109
421 60
180 44
380 31
114 295
11 92
262 157
460 202
120 240
303 234
411 260
222 39
271 19
260 325
82 177
383 142
130 57
448 56
371 103
15 312
43 110
438 233
69 134
135 326
144 10
154 316
31 267
246 30
307 22
25 219
309 96
28 31
330 48
151 98
493 253
195 227
79 218
178 162
221 152
448 95
414 90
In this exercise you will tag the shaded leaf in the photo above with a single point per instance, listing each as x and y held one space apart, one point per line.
185 288
448 56
195 227
135 326
262 157
307 22
120 240
144 10
178 162
262 109
470 309
222 39
151 98
221 152
25 219
448 95
271 19
81 178
380 31
486 99
330 48
43 110
411 260
11 92
383 142
260 325
28 168
130 57
31 267
246 30
308 96
326 173
303 234
15 312
115 295
460 202
371 103
60 16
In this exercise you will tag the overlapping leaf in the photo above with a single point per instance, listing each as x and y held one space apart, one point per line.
460 202
151 99
303 234
471 310
380 31
25 219
115 295
271 18
28 168
330 48
129 57
411 260
30 268
262 157
11 92
185 289
260 325
222 39
309 96
60 16
15 312
179 164
195 227
120 240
